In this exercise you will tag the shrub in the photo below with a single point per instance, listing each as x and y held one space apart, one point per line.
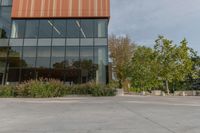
41 88
52 88
6 91
103 91
137 90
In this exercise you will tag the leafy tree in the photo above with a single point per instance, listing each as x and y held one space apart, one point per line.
174 61
144 69
121 53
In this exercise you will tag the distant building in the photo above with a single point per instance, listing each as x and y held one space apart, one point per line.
60 39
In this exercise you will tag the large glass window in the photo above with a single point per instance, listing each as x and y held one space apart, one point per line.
59 28
15 57
72 56
73 71
101 28
58 57
6 2
87 28
43 57
31 28
45 28
5 22
86 64
29 56
18 27
101 61
73 28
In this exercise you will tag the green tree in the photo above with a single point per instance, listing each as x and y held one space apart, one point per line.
121 52
144 69
174 61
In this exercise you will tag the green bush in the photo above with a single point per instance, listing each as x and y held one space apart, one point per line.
137 90
53 88
6 91
41 89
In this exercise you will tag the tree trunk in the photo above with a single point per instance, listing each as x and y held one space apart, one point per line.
167 86
120 84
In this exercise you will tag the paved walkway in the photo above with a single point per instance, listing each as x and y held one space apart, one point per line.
101 115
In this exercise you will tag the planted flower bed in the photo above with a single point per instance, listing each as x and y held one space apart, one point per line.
54 88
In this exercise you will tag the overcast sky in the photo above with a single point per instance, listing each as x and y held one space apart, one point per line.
144 20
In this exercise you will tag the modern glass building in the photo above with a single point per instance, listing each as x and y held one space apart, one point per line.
58 39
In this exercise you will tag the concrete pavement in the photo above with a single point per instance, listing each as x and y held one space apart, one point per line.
129 114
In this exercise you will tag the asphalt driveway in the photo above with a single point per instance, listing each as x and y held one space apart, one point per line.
130 114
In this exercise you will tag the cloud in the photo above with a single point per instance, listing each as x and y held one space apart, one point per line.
144 20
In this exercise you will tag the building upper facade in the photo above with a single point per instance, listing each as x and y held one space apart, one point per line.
61 9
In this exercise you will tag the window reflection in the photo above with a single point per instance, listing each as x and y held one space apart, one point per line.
101 61
86 28
73 28
58 57
79 58
45 28
27 74
43 57
73 71
5 22
86 63
18 27
29 56
15 57
59 28
101 28
32 28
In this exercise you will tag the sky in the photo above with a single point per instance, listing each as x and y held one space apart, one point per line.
144 20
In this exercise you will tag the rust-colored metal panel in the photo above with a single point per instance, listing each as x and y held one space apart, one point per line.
61 9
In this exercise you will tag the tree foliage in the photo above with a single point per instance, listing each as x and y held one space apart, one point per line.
144 69
174 61
121 52
161 67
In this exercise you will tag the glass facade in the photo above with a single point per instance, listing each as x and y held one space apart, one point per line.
70 50
5 29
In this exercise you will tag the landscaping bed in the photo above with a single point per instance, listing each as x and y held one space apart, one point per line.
54 88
